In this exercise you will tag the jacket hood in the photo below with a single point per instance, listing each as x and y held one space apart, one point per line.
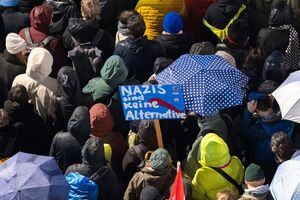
39 64
79 124
101 120
114 72
83 30
68 84
93 153
214 151
40 18
229 7
280 14
147 134
134 45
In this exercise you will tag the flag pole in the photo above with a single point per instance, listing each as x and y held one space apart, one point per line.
158 134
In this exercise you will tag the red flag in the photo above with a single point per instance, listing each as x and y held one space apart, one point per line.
178 190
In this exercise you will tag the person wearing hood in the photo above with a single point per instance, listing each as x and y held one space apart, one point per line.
62 11
66 146
94 167
13 59
85 30
40 19
173 39
13 19
281 35
137 51
136 154
207 182
102 123
70 94
222 13
27 130
41 88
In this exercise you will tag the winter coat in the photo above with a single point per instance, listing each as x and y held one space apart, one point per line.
195 13
14 21
258 193
295 5
66 146
25 6
160 179
153 12
2 35
221 12
215 153
109 15
71 95
92 160
139 55
41 89
62 10
263 9
40 19
85 31
177 44
10 68
259 133
27 128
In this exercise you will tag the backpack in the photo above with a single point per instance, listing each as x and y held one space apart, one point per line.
87 58
31 44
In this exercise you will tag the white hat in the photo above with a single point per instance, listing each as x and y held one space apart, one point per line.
14 43
228 57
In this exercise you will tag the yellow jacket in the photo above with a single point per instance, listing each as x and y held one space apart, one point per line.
215 153
154 11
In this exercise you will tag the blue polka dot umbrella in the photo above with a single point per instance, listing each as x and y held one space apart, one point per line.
209 83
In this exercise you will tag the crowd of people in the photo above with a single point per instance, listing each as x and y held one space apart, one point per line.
62 61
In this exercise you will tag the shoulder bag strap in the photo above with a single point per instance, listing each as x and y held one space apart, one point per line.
230 179
27 35
99 173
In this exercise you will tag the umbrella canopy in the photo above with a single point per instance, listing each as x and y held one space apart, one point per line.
28 176
209 83
286 179
288 97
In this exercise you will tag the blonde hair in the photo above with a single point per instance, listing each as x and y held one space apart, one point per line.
90 9
226 195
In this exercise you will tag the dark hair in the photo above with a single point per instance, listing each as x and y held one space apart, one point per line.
136 26
18 94
282 147
126 14
203 48
264 103
161 63
254 61
274 68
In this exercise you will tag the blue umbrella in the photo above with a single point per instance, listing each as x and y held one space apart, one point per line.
28 176
209 82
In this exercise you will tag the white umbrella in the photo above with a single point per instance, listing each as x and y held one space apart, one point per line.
286 179
288 97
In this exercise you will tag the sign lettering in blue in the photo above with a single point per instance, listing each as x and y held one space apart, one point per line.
147 102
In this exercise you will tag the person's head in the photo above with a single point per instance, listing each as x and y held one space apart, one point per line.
39 64
160 159
90 9
172 23
274 67
125 15
254 176
150 193
267 87
238 34
254 61
101 120
18 94
136 26
280 13
147 134
41 18
282 147
227 56
226 195
93 153
264 107
160 64
17 46
203 48
4 118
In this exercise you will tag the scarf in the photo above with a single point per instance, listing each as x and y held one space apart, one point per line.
292 53
122 28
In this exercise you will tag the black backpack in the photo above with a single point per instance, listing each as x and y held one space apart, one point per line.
87 58
31 44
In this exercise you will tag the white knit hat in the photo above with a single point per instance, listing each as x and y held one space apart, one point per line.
14 43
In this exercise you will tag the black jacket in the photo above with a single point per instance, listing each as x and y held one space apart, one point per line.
25 6
176 45
2 35
66 146
139 55
92 160
10 68
85 31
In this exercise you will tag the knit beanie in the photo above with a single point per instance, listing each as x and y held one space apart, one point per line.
9 3
150 193
172 23
159 159
253 173
14 43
